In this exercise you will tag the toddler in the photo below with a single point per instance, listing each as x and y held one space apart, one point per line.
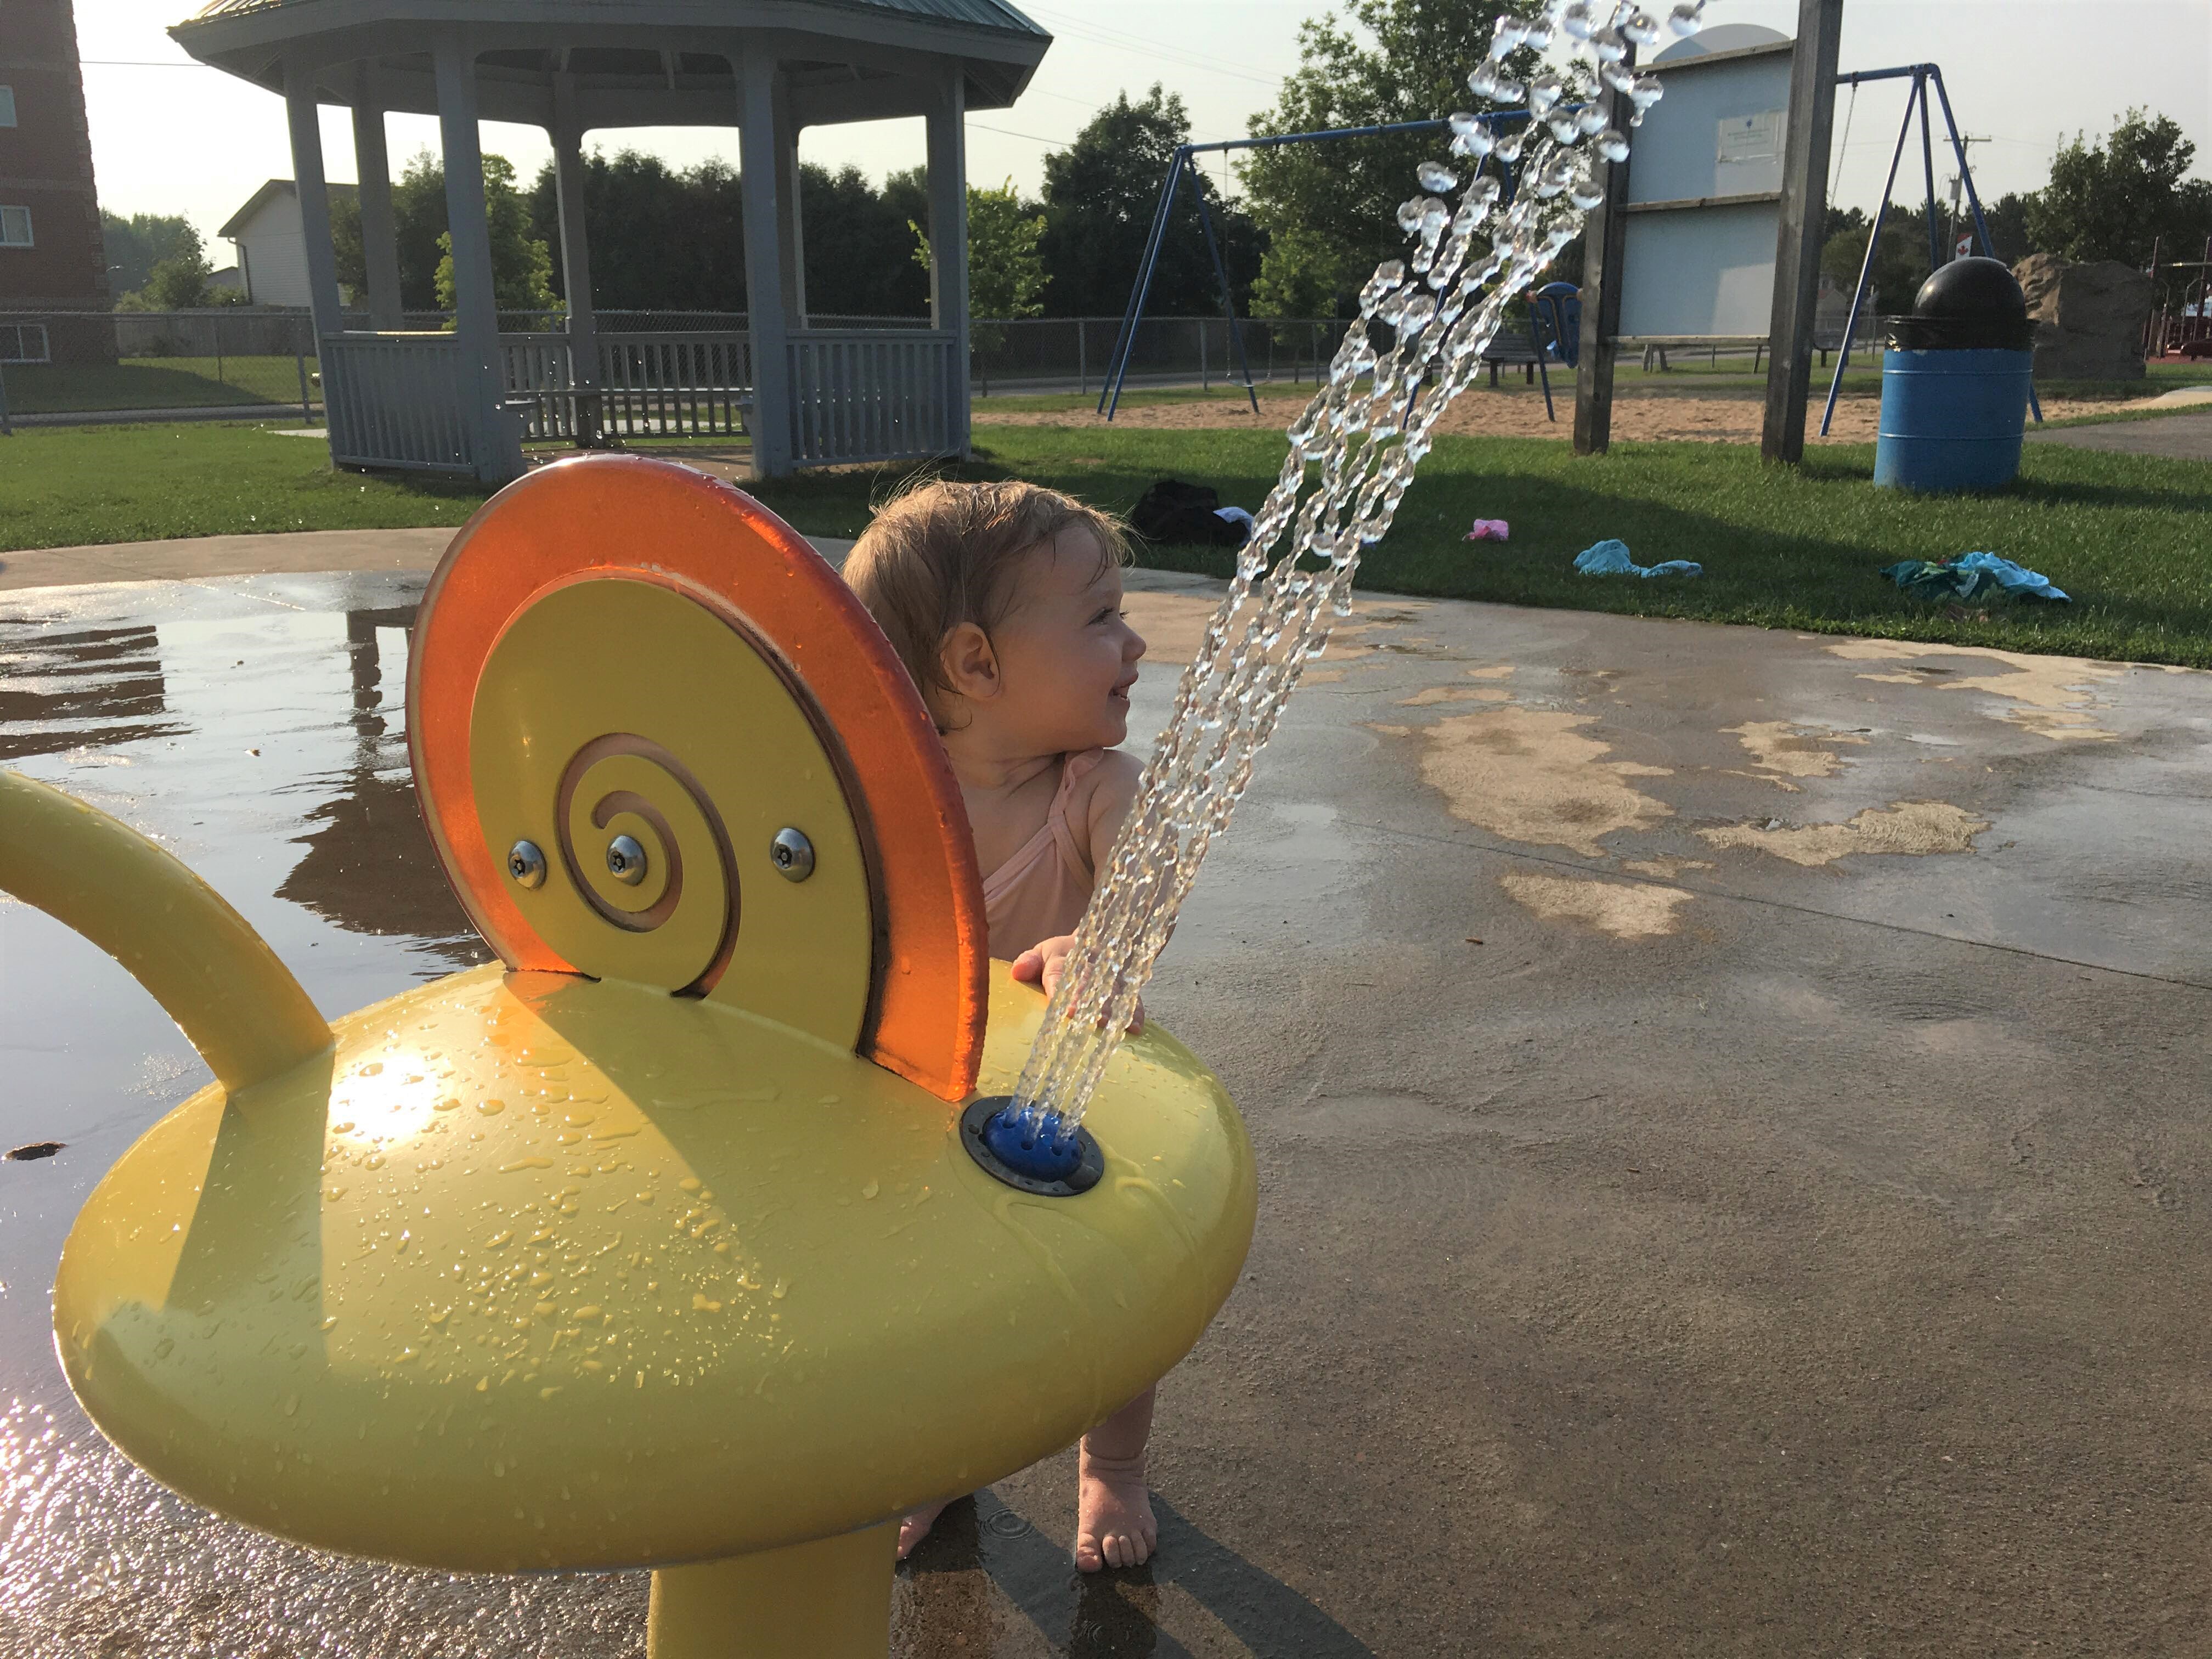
1004 601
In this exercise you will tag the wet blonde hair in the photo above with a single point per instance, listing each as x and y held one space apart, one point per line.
940 554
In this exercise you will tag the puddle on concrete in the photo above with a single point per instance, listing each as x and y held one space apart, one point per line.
256 728
2052 696
1913 827
1533 776
1627 910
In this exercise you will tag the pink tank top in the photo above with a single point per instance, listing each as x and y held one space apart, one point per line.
1041 891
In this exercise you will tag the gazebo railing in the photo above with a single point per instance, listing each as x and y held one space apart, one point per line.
870 394
651 385
397 400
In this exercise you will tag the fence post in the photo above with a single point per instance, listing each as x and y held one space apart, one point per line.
1082 366
218 351
306 409
1204 384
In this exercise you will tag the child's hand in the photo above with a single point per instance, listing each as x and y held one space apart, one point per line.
1042 964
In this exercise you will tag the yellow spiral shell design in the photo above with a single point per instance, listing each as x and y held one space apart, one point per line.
623 708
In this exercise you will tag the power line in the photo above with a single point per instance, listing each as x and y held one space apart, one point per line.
1138 46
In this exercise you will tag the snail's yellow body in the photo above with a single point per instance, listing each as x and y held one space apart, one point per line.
656 1243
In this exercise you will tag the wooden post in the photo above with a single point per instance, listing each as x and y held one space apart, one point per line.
1803 217
759 178
948 241
791 230
379 237
1605 241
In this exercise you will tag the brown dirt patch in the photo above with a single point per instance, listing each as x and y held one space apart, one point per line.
1637 416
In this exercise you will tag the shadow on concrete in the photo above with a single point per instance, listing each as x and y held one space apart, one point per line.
1113 1614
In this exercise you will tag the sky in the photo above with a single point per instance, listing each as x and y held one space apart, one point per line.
170 136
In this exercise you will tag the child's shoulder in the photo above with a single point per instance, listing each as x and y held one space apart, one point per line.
1100 798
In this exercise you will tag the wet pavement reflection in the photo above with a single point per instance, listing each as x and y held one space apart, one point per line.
257 728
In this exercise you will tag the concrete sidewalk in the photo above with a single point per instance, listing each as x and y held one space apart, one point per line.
2178 437
1729 1107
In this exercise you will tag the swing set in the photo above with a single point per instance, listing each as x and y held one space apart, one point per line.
1182 162
1924 75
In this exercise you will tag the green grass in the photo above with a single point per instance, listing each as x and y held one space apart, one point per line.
2130 537
62 486
154 383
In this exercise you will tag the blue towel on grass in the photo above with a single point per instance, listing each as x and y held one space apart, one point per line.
1610 558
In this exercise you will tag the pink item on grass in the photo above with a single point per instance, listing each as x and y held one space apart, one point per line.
1487 530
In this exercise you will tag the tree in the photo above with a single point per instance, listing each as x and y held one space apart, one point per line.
1100 194
521 265
1005 273
1329 210
1901 264
178 280
418 214
2114 200
134 246
858 239
2006 218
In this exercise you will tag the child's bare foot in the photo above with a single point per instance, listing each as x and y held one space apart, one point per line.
916 1526
1114 1524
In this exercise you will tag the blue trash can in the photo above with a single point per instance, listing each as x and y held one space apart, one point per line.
1951 420
1954 383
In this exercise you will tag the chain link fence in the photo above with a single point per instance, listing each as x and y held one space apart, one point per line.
77 365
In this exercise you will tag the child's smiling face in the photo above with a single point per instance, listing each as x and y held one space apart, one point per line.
1067 655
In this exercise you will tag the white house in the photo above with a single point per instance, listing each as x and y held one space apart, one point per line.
272 245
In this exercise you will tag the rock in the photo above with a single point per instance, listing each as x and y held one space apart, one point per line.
2089 318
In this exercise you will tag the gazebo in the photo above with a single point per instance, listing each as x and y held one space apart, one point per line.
460 400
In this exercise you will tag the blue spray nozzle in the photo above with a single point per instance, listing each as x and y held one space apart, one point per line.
1035 1150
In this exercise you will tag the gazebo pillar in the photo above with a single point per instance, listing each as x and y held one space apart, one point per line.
791 227
568 136
497 444
303 116
760 177
947 124
380 234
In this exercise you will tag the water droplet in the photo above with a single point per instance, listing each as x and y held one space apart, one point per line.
374 1067
1686 19
491 1107
1436 177
1544 91
1579 19
1608 46
291 1405
778 1289
871 1188
1642 27
1613 144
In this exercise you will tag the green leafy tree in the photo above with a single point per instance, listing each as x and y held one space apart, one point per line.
1005 271
858 238
1900 262
1329 210
179 280
2115 199
1100 194
134 246
521 265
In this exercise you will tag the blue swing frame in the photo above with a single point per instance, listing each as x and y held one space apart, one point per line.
1109 392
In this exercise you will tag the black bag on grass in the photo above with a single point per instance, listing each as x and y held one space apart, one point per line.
1172 511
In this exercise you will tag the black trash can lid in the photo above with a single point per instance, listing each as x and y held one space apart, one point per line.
1967 305
1982 289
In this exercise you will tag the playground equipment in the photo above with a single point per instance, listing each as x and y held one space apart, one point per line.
1924 76
1352 456
662 1241
1180 162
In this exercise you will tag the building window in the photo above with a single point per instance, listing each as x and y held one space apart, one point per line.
24 343
15 227
7 107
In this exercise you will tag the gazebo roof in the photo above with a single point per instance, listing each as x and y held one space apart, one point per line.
633 62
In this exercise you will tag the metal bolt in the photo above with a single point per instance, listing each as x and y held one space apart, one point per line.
526 864
794 854
626 860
